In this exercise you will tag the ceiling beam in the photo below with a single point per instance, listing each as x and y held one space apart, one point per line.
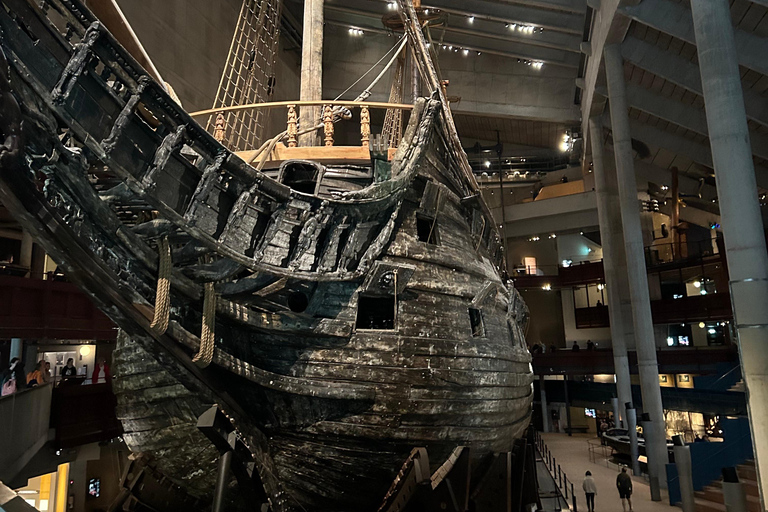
523 52
519 13
543 46
569 6
677 144
684 73
680 114
675 20
607 28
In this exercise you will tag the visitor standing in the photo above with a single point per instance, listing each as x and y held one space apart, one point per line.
69 370
590 489
575 347
13 377
624 485
101 373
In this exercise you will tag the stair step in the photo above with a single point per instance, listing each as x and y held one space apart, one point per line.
708 506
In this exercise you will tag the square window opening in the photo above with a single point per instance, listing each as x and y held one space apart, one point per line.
426 228
477 323
375 313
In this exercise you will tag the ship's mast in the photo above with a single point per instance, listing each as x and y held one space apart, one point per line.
311 69
415 76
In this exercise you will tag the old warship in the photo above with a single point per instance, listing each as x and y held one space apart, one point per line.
344 308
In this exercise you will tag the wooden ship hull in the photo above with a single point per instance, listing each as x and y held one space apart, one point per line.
337 330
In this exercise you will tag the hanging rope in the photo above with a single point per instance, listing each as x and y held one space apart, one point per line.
163 292
205 355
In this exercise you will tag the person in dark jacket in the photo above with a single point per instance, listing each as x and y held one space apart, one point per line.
624 485
69 370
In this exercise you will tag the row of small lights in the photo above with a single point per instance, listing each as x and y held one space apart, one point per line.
525 29
537 238
519 27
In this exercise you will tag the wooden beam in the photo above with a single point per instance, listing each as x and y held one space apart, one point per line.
319 103
320 154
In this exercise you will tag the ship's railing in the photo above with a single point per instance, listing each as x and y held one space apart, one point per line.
329 115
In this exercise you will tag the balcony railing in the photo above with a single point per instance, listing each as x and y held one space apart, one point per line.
25 416
696 360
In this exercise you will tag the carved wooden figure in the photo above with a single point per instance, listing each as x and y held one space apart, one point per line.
328 124
292 127
365 126
220 129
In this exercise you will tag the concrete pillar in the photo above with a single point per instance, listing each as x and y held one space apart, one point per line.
685 474
567 406
614 261
544 412
311 69
648 368
25 258
649 432
617 415
634 450
739 211
17 347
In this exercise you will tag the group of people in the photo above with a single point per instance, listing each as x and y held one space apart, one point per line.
590 346
12 379
540 348
623 485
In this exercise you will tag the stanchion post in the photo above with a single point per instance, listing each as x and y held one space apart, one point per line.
573 498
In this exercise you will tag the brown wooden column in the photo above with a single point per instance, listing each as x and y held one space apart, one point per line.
311 70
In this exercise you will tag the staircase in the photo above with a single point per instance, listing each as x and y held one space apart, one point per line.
738 387
710 499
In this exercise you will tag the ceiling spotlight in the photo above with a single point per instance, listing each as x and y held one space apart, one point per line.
487 164
697 284
465 52
392 6
471 19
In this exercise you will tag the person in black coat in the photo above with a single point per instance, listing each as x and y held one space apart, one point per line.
69 370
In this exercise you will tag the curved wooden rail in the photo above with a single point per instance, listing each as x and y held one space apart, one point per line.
314 103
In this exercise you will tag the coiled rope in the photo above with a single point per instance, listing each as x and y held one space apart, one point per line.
205 355
162 311
163 292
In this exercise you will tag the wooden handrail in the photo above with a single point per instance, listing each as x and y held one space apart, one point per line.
318 103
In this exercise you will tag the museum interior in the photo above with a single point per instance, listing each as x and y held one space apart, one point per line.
383 255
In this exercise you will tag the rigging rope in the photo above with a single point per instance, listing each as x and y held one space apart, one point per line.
163 292
204 356
266 149
398 45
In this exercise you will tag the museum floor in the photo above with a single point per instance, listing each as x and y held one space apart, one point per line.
572 453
